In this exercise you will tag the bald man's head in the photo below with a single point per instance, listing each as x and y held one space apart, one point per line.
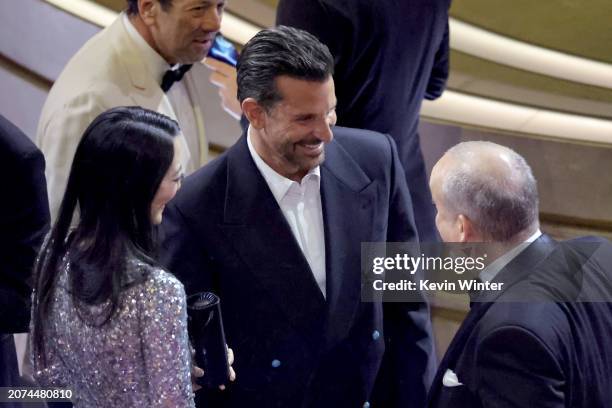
484 192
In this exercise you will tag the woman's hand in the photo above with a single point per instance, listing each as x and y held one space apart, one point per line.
197 372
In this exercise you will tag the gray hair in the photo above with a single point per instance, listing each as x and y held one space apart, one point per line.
496 192
132 6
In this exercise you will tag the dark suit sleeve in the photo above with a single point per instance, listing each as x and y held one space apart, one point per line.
517 369
25 222
409 363
439 71
181 251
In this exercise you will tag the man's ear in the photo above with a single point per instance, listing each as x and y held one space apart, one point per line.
254 112
466 229
148 9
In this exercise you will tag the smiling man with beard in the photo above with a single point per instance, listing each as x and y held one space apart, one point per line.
149 57
274 226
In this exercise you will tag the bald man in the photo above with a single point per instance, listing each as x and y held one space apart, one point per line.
542 341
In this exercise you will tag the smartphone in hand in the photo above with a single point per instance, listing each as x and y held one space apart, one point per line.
223 50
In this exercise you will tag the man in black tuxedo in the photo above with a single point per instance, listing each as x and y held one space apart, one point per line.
276 232
389 56
543 340
24 221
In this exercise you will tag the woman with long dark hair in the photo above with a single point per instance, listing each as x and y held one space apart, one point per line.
107 321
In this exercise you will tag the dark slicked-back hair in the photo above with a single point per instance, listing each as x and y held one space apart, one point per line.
132 6
280 51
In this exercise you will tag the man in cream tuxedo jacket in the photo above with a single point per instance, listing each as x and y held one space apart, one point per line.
124 65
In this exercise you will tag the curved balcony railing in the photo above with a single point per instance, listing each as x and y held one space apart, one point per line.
457 107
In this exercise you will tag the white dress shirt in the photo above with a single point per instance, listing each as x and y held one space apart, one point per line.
301 206
490 272
180 99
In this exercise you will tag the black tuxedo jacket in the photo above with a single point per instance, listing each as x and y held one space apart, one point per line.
389 56
544 340
295 348
24 221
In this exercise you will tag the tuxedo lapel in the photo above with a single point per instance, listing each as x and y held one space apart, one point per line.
516 271
457 344
520 267
348 201
146 92
258 231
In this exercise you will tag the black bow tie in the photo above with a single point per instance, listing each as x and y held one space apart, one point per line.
174 75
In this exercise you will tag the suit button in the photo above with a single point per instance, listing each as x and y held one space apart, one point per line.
366 404
375 335
276 363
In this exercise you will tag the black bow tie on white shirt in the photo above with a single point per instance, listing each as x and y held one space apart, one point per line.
173 75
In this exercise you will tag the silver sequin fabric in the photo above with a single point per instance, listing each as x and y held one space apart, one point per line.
139 358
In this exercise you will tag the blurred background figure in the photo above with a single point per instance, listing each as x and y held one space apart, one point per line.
24 221
389 55
106 320
149 56
542 341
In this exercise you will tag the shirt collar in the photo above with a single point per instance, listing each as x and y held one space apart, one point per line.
279 184
491 271
154 62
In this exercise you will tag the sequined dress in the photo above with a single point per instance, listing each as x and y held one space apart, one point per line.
139 358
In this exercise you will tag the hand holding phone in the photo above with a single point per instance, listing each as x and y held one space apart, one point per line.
224 51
